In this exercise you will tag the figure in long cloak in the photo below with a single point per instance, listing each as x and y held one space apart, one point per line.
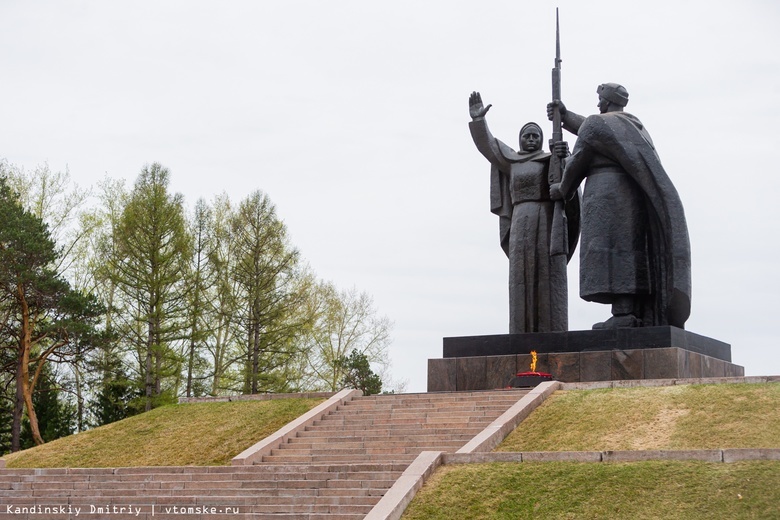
635 252
520 196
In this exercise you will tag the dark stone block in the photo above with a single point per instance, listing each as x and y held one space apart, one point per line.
586 341
524 363
712 367
652 353
596 366
471 373
500 370
734 370
592 340
701 344
442 375
659 364
564 367
684 362
627 364
662 363
694 365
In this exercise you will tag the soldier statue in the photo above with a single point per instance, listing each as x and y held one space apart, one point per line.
634 252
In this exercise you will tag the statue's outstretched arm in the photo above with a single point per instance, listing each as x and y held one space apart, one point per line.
570 120
480 133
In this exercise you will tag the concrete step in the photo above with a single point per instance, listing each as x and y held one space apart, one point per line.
388 442
309 459
402 431
219 500
197 513
369 407
480 395
409 448
390 426
188 472
361 424
152 481
413 417
176 487
445 402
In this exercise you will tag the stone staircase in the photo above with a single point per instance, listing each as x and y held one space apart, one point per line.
395 428
337 468
258 492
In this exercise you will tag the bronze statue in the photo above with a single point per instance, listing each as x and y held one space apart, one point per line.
520 196
635 252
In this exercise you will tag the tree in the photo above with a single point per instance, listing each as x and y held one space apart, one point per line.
112 389
358 373
152 250
199 282
42 315
56 414
50 197
115 390
60 204
346 322
6 408
273 290
222 305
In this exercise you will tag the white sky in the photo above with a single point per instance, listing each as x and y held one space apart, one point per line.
352 116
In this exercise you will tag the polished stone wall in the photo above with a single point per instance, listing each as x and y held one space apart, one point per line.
489 372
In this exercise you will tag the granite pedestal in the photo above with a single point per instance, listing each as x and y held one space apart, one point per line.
489 362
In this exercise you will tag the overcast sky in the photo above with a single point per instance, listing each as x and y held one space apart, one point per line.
352 116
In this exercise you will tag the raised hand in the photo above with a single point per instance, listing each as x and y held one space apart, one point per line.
476 108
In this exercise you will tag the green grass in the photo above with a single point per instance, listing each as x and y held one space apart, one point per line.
675 417
636 491
201 434
643 418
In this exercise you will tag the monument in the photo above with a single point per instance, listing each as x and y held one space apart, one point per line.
634 255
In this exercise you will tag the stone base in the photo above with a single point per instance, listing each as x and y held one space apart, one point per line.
489 362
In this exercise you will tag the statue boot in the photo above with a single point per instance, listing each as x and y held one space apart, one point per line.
622 315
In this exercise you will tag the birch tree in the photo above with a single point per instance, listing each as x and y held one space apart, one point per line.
346 322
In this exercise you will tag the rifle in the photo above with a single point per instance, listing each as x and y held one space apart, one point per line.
559 240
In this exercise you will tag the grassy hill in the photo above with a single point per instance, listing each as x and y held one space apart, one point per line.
653 418
635 491
201 434
677 417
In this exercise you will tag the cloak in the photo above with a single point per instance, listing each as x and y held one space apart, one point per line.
622 138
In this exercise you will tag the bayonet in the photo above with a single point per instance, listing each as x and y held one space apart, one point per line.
557 134
559 240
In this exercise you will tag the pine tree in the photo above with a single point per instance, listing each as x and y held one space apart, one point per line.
56 415
358 374
42 314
